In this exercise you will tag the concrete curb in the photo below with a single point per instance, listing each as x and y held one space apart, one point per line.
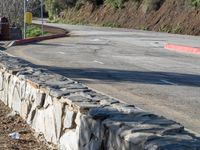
182 48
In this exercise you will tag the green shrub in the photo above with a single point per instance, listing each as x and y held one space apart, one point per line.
111 25
150 5
79 4
115 3
54 7
34 31
194 3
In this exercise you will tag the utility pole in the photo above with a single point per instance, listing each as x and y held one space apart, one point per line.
42 17
24 19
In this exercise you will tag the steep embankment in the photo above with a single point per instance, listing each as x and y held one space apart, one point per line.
171 16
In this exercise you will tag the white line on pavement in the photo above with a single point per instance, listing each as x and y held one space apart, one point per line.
95 40
61 53
168 82
98 62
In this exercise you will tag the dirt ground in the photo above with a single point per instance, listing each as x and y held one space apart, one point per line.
174 16
10 123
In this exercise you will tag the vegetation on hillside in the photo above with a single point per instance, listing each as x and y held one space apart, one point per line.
13 9
173 16
54 7
195 3
156 15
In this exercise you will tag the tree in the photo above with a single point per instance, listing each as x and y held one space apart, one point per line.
34 6
14 10
54 7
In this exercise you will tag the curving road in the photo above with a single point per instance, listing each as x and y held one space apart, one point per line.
130 65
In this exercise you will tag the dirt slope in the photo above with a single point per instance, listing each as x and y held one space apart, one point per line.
10 123
173 16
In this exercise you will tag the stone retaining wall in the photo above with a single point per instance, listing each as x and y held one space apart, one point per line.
74 117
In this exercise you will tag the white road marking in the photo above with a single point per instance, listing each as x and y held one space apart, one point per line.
168 82
68 45
99 62
95 40
61 53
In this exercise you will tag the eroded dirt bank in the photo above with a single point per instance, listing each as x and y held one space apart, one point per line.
172 16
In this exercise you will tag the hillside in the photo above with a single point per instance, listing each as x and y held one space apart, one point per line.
174 16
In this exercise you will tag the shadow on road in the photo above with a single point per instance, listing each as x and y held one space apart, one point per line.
111 75
2 48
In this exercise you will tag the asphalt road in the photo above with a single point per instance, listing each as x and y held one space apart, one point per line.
127 64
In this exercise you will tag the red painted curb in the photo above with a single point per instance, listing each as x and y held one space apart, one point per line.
37 39
182 48
58 33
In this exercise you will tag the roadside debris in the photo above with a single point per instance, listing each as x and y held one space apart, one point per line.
15 135
12 114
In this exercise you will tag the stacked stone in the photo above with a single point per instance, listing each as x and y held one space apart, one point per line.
74 117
